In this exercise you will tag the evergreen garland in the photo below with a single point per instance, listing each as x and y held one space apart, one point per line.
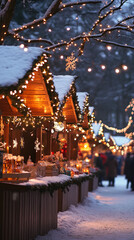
64 186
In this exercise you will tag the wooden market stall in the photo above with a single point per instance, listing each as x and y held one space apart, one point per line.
65 87
28 101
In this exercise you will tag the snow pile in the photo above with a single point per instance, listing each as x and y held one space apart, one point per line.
106 214
62 85
15 62
120 140
81 98
96 128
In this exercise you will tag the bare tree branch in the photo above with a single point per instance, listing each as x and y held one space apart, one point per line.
115 43
125 19
53 8
106 6
69 4
102 17
27 40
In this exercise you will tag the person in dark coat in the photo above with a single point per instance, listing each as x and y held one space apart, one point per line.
132 172
112 169
99 165
127 169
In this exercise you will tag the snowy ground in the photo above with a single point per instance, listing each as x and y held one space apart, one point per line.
107 214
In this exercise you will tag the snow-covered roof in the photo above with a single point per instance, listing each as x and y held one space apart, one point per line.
62 84
15 62
96 128
107 136
120 140
81 98
91 109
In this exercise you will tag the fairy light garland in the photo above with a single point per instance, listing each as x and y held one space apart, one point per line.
130 121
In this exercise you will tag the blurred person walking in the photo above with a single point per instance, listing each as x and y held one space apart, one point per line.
132 171
112 169
99 165
127 169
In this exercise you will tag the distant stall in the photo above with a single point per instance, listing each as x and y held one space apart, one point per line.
65 87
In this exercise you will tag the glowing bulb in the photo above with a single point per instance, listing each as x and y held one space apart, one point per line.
61 57
109 47
49 30
125 68
68 28
117 70
89 69
25 49
103 67
22 45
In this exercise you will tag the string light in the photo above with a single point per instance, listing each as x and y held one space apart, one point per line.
117 70
61 57
125 68
109 48
103 67
89 69
130 120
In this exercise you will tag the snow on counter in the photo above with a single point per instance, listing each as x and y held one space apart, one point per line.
51 179
47 180
15 62
62 85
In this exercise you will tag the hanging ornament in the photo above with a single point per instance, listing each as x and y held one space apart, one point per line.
58 126
15 143
37 145
2 145
71 62
22 142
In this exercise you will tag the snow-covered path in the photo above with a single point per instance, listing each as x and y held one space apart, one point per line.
107 214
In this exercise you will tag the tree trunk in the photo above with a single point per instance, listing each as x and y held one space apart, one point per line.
5 18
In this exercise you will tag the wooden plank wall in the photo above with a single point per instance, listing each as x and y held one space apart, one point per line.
27 214
83 190
93 184
67 198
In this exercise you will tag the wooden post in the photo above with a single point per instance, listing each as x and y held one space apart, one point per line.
69 146
6 136
49 142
